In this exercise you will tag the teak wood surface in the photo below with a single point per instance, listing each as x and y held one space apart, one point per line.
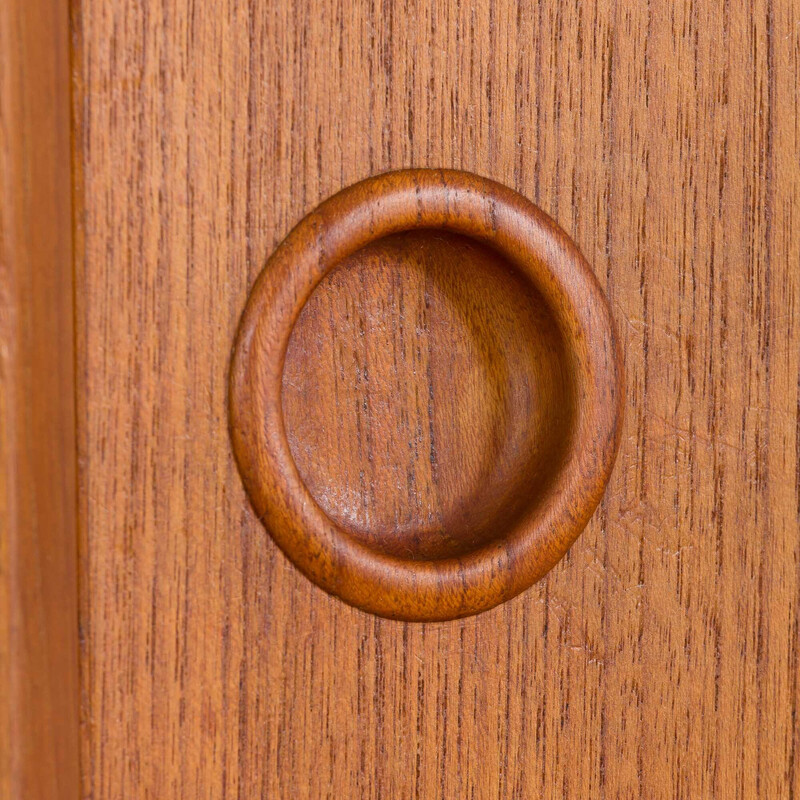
39 703
659 659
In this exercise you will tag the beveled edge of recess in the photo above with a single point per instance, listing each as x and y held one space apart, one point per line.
364 212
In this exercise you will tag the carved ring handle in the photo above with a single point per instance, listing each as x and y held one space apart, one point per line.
493 214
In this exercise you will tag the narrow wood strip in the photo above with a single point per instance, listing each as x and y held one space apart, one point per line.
38 577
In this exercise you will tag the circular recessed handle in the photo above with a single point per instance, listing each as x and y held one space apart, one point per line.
553 384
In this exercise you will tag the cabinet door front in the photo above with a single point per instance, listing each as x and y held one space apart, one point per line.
298 618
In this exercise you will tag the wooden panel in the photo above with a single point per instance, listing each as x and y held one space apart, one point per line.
39 737
660 658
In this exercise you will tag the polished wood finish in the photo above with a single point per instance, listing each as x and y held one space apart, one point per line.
549 399
659 658
39 733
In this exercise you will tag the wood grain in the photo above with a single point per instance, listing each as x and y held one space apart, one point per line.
537 484
39 734
659 659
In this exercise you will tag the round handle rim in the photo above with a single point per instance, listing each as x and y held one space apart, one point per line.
364 212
